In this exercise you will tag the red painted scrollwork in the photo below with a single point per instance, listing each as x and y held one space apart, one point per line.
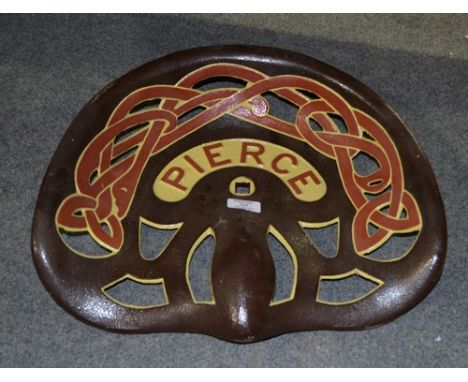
106 183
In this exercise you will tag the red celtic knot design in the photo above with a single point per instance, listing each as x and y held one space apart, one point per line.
106 183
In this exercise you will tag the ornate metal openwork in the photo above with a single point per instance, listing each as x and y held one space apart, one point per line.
238 144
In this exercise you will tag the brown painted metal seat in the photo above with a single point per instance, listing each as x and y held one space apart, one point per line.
239 144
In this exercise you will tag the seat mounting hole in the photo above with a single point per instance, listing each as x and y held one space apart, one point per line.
242 186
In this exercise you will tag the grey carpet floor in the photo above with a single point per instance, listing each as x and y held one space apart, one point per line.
50 66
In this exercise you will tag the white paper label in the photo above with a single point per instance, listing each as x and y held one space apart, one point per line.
247 205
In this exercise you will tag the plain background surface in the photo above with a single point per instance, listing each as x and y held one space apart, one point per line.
51 66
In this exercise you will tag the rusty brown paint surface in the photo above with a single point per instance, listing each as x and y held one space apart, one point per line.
89 188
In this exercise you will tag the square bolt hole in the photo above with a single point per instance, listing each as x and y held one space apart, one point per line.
242 188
